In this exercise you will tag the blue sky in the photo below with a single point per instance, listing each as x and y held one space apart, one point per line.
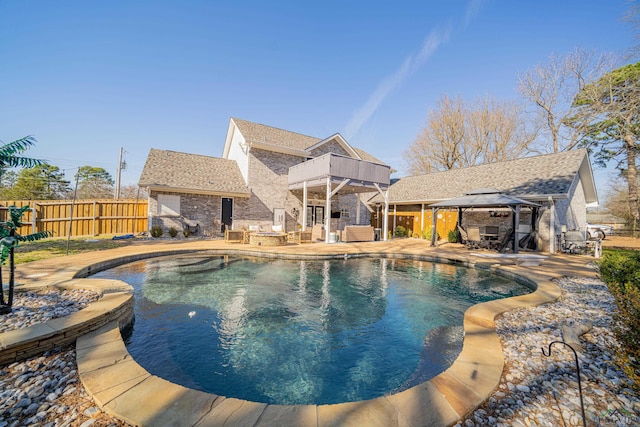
87 77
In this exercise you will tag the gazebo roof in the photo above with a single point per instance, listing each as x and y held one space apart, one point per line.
483 198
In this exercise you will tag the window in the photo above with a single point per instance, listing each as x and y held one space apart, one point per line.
168 205
345 213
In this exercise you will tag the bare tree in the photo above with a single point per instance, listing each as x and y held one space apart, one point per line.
497 131
437 147
456 135
132 191
617 202
632 17
551 88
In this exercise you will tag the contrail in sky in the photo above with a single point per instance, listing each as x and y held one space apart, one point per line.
411 64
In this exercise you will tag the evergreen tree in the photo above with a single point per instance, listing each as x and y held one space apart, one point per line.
610 109
94 183
42 182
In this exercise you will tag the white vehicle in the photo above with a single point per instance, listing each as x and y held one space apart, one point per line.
598 231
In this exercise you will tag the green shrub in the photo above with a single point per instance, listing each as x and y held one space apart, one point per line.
400 231
452 236
621 273
173 232
426 234
156 231
415 235
186 232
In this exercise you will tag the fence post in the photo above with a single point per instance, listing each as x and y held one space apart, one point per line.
34 218
94 218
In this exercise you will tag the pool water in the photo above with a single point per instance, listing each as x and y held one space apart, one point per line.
301 332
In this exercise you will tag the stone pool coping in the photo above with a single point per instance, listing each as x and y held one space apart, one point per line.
123 388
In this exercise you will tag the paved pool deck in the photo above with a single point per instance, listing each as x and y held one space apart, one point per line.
124 389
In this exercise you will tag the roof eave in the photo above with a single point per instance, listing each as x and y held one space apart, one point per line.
227 141
170 189
343 142
588 181
277 149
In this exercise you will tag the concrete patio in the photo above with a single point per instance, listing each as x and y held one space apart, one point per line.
123 388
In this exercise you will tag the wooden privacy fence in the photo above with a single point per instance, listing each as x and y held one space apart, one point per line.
89 217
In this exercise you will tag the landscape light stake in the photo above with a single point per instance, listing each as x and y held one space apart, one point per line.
548 353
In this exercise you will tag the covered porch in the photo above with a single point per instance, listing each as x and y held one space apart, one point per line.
332 174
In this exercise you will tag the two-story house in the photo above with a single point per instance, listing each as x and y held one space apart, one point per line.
266 176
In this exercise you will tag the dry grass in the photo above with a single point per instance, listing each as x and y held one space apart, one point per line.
621 242
50 248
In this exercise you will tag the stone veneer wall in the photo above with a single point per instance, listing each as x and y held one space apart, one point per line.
268 182
203 209
482 218
268 173
330 147
21 344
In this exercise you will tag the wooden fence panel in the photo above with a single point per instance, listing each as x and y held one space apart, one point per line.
86 217
413 220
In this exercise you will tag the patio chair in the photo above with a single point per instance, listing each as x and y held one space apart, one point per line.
574 242
463 234
529 241
475 239
506 239
472 238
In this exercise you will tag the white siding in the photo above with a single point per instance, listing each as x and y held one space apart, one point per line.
237 153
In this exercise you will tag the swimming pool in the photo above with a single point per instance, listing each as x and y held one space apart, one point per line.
301 332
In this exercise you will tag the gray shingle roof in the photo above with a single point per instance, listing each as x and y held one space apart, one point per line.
255 132
368 157
528 177
192 172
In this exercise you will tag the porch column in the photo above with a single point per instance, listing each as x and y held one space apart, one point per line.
421 218
304 206
395 219
534 227
552 226
516 226
459 223
327 214
434 212
385 222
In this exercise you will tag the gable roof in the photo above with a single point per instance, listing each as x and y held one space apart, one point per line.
174 171
531 178
257 133
279 140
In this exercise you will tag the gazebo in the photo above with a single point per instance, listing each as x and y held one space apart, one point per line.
487 198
